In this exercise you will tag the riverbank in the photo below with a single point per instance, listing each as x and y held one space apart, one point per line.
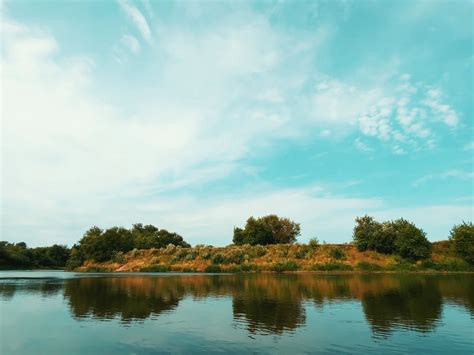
275 258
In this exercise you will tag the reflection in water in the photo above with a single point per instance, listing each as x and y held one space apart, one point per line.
263 303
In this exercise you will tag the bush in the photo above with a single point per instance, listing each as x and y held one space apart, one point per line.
337 253
410 241
234 269
462 237
213 269
218 258
118 257
303 252
265 230
399 236
247 267
155 268
331 267
446 265
96 269
402 266
366 266
288 265
257 251
234 256
313 243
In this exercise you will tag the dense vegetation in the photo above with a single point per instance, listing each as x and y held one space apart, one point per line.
462 236
103 245
265 243
266 230
19 256
391 237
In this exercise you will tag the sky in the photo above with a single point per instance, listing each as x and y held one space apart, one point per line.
194 115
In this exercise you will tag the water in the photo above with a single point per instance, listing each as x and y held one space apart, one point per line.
67 313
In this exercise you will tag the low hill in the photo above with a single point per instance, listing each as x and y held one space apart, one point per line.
279 257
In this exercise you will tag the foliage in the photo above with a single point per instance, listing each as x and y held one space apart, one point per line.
366 266
331 267
446 265
313 243
365 233
20 256
213 269
410 241
288 265
337 253
266 230
155 268
399 236
462 237
103 245
303 252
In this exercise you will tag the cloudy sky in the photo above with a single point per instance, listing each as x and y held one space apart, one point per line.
194 115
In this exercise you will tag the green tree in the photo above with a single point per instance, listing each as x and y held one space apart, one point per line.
399 236
365 232
410 241
462 237
265 230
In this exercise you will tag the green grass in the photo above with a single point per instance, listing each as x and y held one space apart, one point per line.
331 267
366 266
213 269
155 268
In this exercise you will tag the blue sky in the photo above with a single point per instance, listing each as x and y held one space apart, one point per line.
194 115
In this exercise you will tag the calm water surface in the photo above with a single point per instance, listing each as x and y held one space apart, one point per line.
67 313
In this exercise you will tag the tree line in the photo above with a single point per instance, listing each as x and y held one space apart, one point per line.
400 237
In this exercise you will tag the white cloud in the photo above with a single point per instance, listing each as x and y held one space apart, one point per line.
70 160
137 18
131 43
360 145
389 113
458 174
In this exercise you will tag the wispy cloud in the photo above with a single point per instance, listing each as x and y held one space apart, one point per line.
131 43
457 174
137 18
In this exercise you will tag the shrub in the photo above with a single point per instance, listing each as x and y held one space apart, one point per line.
170 249
303 252
257 251
118 257
331 267
313 243
410 241
234 269
247 267
269 229
402 266
96 269
282 251
462 237
155 268
366 266
234 256
288 265
399 236
218 258
446 265
337 253
213 269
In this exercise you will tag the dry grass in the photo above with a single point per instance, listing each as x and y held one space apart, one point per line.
259 258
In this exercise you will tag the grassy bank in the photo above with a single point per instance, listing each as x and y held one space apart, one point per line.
277 258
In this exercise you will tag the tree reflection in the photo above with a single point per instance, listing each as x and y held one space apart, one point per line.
262 303
128 298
